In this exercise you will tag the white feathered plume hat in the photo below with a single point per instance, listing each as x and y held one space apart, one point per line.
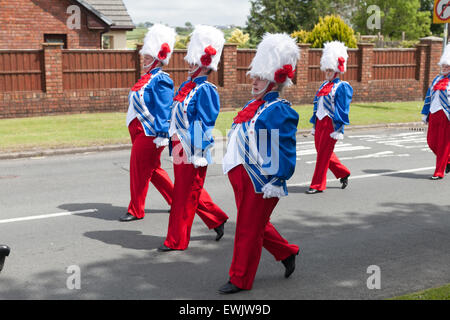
159 43
334 57
205 47
276 59
445 59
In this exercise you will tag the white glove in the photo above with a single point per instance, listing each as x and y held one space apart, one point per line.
337 135
271 191
425 119
199 162
161 142
313 131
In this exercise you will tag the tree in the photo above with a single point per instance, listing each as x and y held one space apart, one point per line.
186 30
396 17
289 15
428 5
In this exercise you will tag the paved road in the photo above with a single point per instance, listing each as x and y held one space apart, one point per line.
62 211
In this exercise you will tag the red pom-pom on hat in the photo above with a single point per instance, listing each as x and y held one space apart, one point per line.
210 51
341 66
206 59
165 50
282 74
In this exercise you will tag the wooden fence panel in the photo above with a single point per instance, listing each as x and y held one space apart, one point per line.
178 69
21 70
244 58
394 64
99 69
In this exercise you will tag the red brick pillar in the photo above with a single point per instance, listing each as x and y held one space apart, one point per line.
302 74
365 69
229 66
433 55
421 58
53 69
229 73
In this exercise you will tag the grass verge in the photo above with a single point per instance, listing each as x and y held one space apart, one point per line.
441 293
82 130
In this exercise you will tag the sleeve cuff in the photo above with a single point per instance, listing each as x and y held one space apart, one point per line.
337 135
272 191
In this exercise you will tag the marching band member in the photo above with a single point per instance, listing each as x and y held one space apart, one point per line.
331 110
194 113
148 117
150 101
436 113
260 157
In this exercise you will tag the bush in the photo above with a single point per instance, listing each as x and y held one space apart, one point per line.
301 36
332 28
409 43
182 42
240 38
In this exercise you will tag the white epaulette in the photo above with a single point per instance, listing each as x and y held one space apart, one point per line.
212 84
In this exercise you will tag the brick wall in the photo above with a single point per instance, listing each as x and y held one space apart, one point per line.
52 99
23 24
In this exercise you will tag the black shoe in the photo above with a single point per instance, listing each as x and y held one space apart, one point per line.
436 178
163 248
313 191
229 288
128 217
447 169
4 252
220 231
289 264
344 182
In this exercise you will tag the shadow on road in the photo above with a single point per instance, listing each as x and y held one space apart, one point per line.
106 211
409 241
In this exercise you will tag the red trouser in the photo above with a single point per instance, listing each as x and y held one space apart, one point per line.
145 166
253 230
189 196
326 158
439 140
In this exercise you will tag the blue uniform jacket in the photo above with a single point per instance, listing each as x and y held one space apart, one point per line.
430 94
273 134
153 104
342 99
201 113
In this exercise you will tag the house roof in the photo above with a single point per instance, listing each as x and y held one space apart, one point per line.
112 12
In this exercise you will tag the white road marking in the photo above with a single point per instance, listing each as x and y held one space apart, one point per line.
384 154
47 216
365 176
337 149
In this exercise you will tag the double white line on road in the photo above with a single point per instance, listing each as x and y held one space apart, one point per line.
365 176
46 216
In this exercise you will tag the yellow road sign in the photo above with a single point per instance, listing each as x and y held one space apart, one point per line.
441 12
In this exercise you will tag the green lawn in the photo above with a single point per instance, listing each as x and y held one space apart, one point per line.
442 293
63 131
110 128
